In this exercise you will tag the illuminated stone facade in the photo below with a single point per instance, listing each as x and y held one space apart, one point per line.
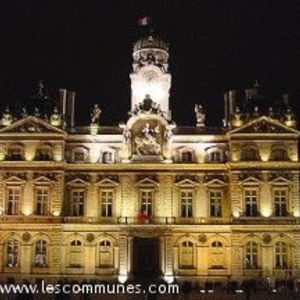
149 196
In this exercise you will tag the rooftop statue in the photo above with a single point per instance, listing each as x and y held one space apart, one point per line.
95 114
200 115
7 117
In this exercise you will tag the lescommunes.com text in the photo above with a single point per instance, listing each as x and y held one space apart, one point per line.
86 288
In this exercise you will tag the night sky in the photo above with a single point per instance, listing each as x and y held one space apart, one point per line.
86 46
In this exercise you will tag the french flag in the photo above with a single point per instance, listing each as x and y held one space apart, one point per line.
144 21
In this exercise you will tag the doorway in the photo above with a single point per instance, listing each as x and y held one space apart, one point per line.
145 257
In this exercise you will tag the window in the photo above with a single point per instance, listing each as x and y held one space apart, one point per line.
280 202
79 156
216 156
251 255
216 244
13 200
279 154
107 157
15 153
12 252
77 202
105 254
75 258
40 253
44 154
250 154
250 196
187 156
146 200
42 201
281 255
186 255
106 203
215 198
186 200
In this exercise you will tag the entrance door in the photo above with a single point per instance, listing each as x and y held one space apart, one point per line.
145 257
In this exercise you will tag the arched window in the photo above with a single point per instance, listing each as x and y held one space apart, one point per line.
250 154
44 153
80 155
107 157
217 259
281 255
12 253
105 254
15 152
279 154
186 156
186 255
216 244
76 254
251 255
40 254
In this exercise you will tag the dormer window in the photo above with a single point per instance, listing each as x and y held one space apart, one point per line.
80 155
108 157
44 154
279 154
15 153
250 154
186 156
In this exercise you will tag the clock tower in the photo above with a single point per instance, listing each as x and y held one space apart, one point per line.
150 76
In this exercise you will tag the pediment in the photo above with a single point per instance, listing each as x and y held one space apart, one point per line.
280 181
186 183
264 125
42 180
78 182
107 182
147 182
31 125
14 180
251 181
215 182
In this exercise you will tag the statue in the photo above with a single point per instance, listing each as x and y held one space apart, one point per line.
95 115
200 115
147 144
6 117
24 113
256 112
36 112
55 118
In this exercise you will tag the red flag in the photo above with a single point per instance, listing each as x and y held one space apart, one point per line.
144 21
143 217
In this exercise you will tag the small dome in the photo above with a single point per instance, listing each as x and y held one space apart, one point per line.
150 42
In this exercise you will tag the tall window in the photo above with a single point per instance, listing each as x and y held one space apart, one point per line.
251 202
40 253
12 252
281 255
280 202
77 202
76 253
146 199
215 198
251 255
44 154
13 200
105 254
186 255
186 199
42 201
106 203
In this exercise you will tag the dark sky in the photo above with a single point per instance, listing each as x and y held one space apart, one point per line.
86 46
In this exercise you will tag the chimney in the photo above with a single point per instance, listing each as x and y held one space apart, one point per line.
70 109
226 110
231 102
63 102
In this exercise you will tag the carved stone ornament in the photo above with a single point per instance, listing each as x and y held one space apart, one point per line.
26 237
202 238
90 237
267 238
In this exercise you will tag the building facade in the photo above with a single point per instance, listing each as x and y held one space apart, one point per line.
150 197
